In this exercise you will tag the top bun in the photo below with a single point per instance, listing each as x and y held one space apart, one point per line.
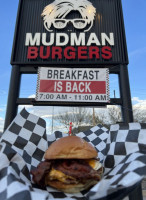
70 147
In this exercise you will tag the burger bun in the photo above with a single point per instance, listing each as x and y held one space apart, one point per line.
70 147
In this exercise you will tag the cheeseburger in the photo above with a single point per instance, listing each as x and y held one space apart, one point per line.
70 165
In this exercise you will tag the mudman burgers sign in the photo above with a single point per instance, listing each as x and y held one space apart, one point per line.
68 34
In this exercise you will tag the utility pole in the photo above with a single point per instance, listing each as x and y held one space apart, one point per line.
52 118
93 117
114 94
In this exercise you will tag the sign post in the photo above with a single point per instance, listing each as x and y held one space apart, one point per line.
86 36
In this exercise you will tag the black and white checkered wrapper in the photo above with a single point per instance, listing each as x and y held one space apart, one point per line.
22 146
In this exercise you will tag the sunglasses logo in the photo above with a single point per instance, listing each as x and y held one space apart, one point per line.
55 14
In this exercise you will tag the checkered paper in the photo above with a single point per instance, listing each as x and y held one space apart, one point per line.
124 161
23 144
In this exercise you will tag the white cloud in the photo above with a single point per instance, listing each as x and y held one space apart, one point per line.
32 96
45 111
139 109
50 130
1 124
138 102
135 99
42 111
46 116
1 121
26 106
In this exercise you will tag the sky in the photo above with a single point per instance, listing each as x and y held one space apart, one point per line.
135 27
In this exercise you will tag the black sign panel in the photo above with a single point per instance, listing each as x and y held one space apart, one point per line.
71 38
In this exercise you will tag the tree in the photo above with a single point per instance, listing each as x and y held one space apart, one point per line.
81 116
115 114
77 115
139 113
96 118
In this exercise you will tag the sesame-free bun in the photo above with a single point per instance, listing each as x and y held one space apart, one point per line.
71 188
70 147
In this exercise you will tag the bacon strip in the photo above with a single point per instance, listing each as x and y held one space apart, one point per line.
79 169
39 173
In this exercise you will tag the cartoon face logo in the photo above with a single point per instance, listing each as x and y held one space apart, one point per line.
56 12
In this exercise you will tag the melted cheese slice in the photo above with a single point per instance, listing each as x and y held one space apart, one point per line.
55 174
95 164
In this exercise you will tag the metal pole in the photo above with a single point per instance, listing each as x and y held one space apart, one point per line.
52 118
114 94
125 94
94 117
137 193
13 95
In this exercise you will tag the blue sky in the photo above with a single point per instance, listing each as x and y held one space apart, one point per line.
135 26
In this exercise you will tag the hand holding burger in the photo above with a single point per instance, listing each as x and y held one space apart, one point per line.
70 165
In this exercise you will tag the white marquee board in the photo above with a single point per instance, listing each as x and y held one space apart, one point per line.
73 84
